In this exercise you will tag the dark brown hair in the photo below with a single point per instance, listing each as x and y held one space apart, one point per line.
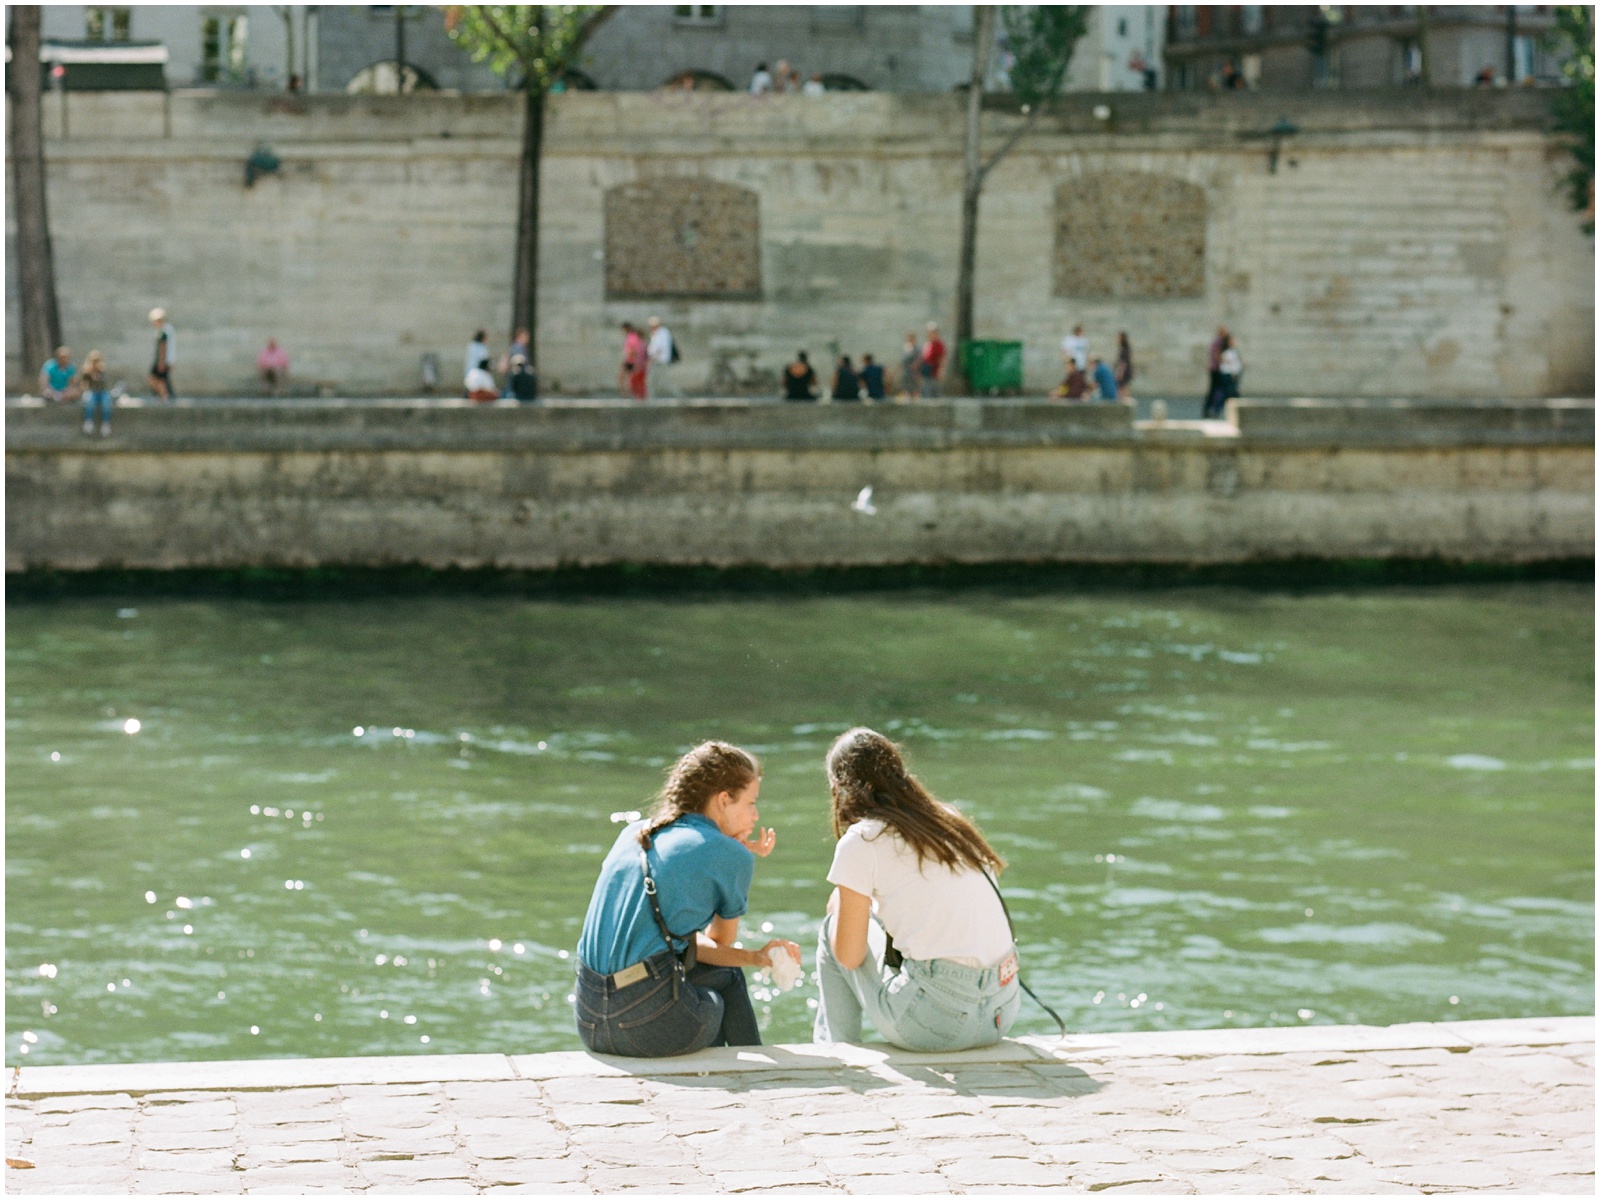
709 768
868 779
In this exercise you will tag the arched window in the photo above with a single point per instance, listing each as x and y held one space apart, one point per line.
379 79
697 81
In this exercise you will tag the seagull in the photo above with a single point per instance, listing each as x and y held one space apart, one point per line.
863 501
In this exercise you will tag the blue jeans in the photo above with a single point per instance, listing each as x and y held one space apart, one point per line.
925 1005
666 1013
97 406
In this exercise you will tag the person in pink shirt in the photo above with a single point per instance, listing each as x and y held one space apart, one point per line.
635 362
932 365
273 364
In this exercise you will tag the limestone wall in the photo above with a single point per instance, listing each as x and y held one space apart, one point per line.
1397 245
730 484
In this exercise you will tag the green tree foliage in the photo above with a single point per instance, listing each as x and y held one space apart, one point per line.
539 42
1042 38
532 46
1573 105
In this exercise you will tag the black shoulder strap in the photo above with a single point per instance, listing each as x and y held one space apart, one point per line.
1060 1024
690 949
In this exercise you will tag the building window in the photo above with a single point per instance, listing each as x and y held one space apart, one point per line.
1250 19
1185 21
108 24
697 14
222 48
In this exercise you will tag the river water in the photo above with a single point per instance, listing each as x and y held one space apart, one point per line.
242 829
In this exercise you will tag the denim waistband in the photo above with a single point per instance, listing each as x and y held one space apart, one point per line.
981 980
660 965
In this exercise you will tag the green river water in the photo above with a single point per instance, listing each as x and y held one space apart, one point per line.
371 827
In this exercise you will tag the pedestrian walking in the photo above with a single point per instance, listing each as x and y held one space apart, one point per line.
58 378
871 378
661 352
1076 347
910 359
1124 367
799 379
521 346
1224 376
161 364
846 385
1214 366
931 366
96 395
272 364
635 364
1232 367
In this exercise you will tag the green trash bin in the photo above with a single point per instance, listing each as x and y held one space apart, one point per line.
992 367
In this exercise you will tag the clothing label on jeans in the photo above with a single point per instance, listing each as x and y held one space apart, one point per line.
1008 968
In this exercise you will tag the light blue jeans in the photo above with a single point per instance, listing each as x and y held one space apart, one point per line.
926 1005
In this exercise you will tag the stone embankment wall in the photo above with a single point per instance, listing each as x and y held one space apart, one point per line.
1392 245
731 484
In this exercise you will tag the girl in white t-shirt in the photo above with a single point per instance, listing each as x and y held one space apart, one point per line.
914 870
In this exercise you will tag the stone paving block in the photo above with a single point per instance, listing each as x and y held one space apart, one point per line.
575 1188
982 1174
740 1155
947 1150
902 1165
412 1170
277 1135
890 1185
191 1162
847 1123
179 1183
596 1091
747 1181
428 1187
284 1153
1139 1184
492 1146
295 1174
530 1172
73 1104
198 1139
604 1115
1461 1174
649 1177
81 1136
300 1106
600 1147
917 1128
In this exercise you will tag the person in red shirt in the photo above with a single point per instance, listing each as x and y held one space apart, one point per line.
932 369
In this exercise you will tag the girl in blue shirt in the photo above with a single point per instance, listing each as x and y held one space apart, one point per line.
658 971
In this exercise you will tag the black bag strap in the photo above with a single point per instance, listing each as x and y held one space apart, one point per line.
1060 1024
690 952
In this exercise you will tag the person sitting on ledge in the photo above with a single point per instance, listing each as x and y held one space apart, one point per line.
916 936
658 971
799 379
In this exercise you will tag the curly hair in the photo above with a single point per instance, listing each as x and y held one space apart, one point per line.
709 768
868 779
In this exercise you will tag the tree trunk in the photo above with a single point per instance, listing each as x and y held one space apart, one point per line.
972 186
41 320
525 289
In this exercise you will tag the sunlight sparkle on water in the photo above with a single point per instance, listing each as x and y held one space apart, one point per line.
131 725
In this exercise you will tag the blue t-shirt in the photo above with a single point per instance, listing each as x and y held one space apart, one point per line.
59 376
872 380
700 873
1106 380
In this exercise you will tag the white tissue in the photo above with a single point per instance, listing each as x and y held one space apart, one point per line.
785 968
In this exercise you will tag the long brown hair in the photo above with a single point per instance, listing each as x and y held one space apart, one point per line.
868 779
709 768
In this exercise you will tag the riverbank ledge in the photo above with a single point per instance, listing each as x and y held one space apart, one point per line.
735 483
1501 1105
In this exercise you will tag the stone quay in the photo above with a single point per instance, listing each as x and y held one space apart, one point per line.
1470 1106
735 483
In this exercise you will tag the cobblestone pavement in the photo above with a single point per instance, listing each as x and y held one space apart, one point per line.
1468 1106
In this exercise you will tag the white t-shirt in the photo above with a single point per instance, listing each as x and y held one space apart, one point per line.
930 911
659 351
760 83
1077 346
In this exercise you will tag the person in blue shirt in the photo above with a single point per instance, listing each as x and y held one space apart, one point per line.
1104 378
658 971
58 378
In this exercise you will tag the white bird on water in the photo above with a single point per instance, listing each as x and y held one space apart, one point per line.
863 501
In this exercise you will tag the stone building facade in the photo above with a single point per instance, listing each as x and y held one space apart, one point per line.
1420 248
